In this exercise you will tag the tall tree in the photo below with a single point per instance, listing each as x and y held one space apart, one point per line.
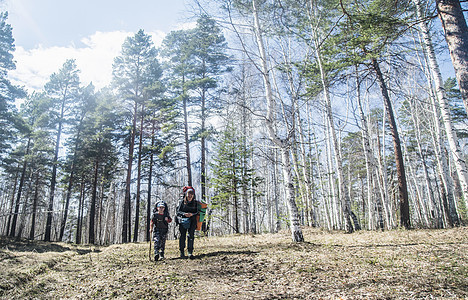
369 29
86 104
283 143
161 124
35 112
8 92
62 89
98 148
211 61
177 49
132 73
441 97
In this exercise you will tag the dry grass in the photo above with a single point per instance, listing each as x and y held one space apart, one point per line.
418 264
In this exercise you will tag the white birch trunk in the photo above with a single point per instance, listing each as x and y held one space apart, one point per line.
332 192
457 155
344 199
325 207
296 230
369 158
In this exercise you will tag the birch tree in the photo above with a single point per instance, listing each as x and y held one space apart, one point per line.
284 143
436 75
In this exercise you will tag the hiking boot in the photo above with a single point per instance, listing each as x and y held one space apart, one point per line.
156 257
161 255
190 256
182 254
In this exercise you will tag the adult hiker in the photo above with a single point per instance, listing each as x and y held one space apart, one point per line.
159 226
186 218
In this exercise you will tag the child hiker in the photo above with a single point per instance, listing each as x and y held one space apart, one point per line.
159 226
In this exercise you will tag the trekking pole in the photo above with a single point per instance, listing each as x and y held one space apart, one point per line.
149 253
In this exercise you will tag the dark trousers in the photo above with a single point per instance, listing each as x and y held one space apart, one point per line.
159 236
191 236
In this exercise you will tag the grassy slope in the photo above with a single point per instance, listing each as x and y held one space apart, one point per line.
372 265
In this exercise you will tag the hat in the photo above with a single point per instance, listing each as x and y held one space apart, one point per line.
187 189
160 204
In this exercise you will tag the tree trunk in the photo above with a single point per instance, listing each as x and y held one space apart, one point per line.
456 34
67 200
137 198
203 146
150 182
402 183
275 180
32 232
126 223
458 157
296 230
186 136
414 116
253 211
245 166
70 186
12 201
53 181
370 164
343 195
20 189
80 214
382 176
92 208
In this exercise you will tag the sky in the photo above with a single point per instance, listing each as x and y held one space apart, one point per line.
48 32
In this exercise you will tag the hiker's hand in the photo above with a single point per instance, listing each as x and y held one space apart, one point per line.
188 215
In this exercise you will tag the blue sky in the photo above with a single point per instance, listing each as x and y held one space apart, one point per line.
47 32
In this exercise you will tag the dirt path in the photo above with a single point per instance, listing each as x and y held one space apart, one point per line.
370 265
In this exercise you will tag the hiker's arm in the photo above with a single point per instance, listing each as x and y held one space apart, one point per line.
179 211
151 226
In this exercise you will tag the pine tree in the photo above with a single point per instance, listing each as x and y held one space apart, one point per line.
363 38
178 51
231 177
211 61
62 89
98 152
9 122
134 71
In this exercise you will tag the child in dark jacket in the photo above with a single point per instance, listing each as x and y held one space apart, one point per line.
159 226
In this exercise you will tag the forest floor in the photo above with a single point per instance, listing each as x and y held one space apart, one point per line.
415 264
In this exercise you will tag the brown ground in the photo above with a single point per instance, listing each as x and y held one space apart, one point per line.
417 264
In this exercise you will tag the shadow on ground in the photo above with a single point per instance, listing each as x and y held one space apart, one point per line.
224 253
25 245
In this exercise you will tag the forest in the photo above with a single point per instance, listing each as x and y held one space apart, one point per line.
282 114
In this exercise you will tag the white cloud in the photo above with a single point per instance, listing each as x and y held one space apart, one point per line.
94 59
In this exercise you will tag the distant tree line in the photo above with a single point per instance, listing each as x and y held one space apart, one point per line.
281 114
